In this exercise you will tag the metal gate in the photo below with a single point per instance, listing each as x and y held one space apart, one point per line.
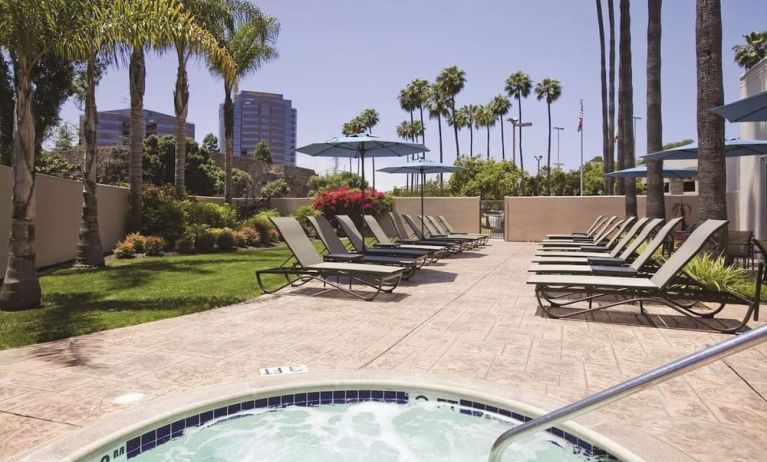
491 218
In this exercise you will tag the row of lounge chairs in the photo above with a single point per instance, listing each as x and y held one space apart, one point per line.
613 263
381 266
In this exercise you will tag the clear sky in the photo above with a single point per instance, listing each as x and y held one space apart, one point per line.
338 57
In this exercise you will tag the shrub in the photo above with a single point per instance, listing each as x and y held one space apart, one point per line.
275 188
162 214
715 273
261 223
210 214
153 245
242 183
251 236
124 249
225 239
185 244
274 235
302 214
343 201
240 240
136 241
205 241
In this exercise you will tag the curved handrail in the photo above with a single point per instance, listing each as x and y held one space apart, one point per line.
629 387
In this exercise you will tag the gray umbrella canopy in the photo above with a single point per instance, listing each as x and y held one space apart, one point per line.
641 172
751 109
362 147
732 148
422 167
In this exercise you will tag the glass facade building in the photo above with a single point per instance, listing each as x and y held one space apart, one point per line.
113 127
266 116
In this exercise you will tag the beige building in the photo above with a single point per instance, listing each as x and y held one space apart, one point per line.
747 176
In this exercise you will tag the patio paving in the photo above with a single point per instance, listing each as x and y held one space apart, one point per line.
470 316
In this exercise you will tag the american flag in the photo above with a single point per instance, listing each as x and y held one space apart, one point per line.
580 118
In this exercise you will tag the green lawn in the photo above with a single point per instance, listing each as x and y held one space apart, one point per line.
128 292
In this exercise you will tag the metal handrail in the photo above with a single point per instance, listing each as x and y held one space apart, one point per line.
629 387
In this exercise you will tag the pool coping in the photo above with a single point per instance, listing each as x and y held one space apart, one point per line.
617 438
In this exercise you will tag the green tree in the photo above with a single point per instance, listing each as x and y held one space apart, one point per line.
250 41
318 183
747 55
63 138
549 90
210 143
488 179
469 112
263 152
499 107
242 183
518 85
369 118
626 107
275 188
485 118
420 91
450 82
656 203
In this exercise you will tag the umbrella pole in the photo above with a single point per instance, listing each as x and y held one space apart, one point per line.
362 229
423 217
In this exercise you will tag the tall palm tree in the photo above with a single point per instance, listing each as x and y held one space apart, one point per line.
711 161
458 120
656 204
420 91
408 101
607 137
369 119
754 50
611 101
499 107
549 90
485 118
136 83
469 112
71 30
451 81
436 104
518 85
250 40
626 107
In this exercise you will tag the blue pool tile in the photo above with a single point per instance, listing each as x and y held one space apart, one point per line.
177 427
352 396
193 421
260 403
364 395
233 409
504 412
390 396
492 409
377 395
163 434
247 405
148 440
299 399
465 411
402 397
133 447
220 412
206 417
273 401
287 400
313 398
465 403
477 405
556 431
339 397
571 438
326 397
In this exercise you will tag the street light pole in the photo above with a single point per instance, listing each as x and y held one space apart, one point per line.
538 177
558 129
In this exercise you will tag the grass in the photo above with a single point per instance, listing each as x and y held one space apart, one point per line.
128 292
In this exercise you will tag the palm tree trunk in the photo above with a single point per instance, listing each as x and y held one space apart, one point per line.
656 204
137 73
181 106
519 106
471 139
89 245
606 138
229 142
503 142
488 141
439 128
610 165
626 107
548 154
20 288
711 161
455 127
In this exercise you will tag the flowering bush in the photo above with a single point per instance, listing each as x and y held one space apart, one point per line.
344 201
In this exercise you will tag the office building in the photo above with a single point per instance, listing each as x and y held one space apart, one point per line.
266 116
113 127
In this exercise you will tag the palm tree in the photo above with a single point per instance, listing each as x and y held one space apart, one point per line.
469 112
369 119
549 90
626 107
408 101
420 91
656 204
611 101
450 82
711 161
753 51
458 120
499 107
436 104
249 39
71 30
485 118
518 85
136 82
607 137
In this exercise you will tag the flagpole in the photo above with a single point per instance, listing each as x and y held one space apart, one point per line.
581 130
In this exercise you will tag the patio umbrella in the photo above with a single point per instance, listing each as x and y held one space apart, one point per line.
361 147
641 172
732 148
751 109
422 167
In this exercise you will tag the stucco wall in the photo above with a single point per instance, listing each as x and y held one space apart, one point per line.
59 203
532 218
461 212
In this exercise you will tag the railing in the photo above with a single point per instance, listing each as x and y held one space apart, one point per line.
629 387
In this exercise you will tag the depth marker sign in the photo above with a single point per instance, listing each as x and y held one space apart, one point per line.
282 370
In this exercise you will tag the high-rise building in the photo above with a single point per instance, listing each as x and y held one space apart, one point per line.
258 116
113 127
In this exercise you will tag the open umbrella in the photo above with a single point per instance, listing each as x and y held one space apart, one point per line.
362 147
422 167
732 148
751 109
641 172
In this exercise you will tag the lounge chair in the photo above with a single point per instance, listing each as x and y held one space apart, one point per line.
337 251
439 224
428 234
601 243
598 221
310 266
605 226
668 286
613 247
355 239
433 231
403 237
383 240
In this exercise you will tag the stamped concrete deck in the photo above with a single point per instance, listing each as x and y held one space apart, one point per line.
471 316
